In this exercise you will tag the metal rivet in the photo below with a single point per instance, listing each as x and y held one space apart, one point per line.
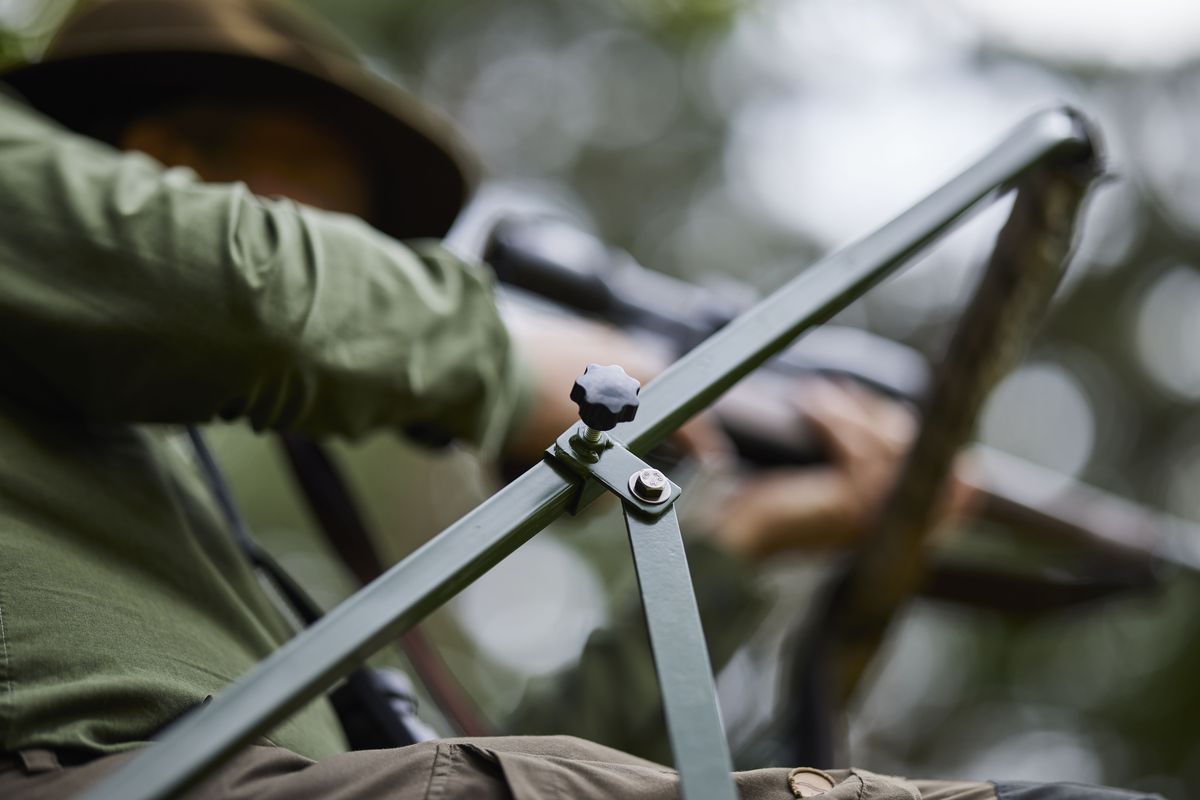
650 485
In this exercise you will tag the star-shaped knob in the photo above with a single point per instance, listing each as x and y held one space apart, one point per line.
605 396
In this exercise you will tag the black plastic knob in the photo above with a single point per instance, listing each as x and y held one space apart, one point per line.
605 396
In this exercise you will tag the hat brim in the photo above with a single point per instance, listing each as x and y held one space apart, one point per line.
420 174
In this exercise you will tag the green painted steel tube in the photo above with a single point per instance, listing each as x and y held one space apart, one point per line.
313 661
685 678
692 383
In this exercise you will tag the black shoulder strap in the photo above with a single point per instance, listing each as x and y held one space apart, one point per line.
373 714
331 503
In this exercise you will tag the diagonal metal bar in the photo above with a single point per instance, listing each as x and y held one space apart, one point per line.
313 661
1059 136
685 678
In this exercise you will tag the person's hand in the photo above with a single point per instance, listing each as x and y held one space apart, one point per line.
559 349
831 505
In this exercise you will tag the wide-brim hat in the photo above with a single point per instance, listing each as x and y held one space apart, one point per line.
118 59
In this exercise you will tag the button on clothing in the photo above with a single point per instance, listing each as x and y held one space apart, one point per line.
809 782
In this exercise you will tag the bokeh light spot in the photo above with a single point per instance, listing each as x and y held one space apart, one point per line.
1167 332
1041 412
536 626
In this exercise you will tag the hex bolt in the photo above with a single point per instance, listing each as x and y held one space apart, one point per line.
650 485
605 396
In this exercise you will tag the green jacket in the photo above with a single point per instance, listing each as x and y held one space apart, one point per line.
133 299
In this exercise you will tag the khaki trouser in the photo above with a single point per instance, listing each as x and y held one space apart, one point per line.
504 768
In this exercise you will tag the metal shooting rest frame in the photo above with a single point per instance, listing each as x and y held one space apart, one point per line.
1050 159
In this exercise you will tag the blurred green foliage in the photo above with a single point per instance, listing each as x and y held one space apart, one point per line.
635 116
27 25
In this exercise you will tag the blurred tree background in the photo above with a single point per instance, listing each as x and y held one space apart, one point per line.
719 138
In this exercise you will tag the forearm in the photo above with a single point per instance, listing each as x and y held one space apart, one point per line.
558 348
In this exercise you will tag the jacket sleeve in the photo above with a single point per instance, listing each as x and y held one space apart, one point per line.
133 293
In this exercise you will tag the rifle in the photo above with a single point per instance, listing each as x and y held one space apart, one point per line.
541 257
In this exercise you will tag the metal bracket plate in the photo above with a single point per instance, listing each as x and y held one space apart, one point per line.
611 465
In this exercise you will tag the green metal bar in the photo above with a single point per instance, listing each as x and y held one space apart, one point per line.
692 383
313 661
685 679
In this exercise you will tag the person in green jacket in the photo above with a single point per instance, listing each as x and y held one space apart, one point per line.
261 129
136 299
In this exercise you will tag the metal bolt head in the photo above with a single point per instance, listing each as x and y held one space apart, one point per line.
650 485
605 396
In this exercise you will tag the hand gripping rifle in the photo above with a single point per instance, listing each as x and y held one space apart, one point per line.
1050 160
1120 543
